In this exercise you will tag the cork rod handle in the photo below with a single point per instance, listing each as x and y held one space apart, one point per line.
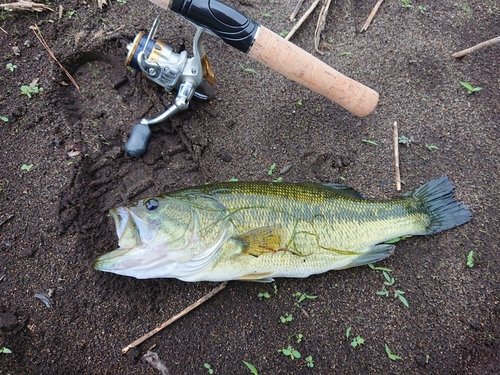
300 66
275 52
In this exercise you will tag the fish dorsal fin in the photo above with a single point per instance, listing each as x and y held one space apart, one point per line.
345 191
261 240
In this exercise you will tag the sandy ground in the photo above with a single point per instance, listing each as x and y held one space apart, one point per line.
54 213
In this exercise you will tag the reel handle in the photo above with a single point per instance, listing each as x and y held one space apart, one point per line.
138 140
275 52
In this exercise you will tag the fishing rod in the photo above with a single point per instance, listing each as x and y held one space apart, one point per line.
194 77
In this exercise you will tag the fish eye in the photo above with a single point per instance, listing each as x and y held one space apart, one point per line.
151 204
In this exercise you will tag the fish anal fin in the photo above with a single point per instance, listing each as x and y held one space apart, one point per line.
374 254
260 241
260 277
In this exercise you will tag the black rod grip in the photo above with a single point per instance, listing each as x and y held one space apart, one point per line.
227 23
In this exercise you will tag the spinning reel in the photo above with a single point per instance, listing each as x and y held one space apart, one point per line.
189 76
193 76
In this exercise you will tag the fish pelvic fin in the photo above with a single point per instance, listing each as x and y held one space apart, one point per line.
444 211
374 254
263 277
260 241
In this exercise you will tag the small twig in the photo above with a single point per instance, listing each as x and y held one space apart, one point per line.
4 31
5 220
396 156
302 20
38 34
305 313
372 14
296 10
477 47
320 26
174 318
26 5
330 47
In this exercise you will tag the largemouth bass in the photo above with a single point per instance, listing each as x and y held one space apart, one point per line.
257 230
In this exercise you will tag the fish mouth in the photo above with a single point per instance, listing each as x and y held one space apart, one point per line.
108 262
132 231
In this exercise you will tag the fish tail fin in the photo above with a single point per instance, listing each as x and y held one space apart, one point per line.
445 212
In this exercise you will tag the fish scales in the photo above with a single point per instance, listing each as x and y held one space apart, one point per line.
258 230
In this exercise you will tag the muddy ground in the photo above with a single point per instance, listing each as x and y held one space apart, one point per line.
54 213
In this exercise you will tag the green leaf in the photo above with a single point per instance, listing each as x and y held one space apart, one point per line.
390 355
3 118
369 141
264 295
470 89
271 169
348 332
467 86
310 362
5 350
390 280
431 147
251 368
27 168
379 268
470 259
403 300
387 277
303 297
246 70
358 340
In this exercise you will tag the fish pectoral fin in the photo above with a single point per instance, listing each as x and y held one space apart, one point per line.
262 277
374 254
260 241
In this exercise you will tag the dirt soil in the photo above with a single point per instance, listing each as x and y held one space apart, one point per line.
53 211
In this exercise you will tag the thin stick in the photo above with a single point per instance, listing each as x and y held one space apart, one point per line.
7 219
320 26
26 5
38 34
477 47
174 318
296 10
396 156
302 20
372 14
4 31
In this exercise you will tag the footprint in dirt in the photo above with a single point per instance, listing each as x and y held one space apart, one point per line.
96 124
